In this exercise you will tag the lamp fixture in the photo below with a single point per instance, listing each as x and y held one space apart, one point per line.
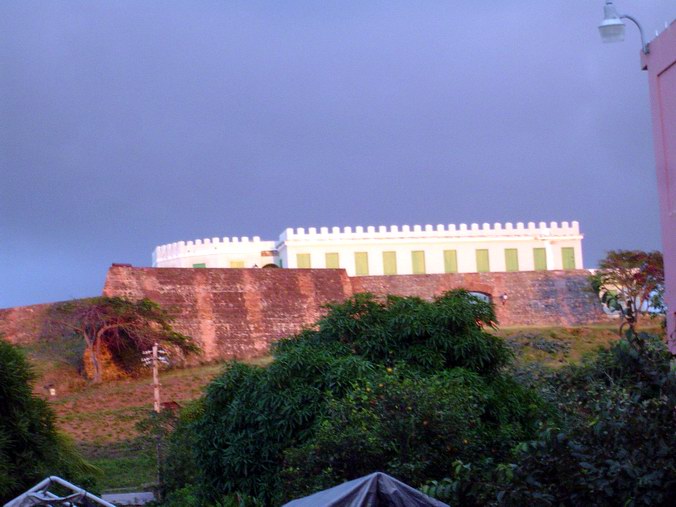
612 26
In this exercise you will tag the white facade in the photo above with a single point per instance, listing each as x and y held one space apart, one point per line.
392 250
216 253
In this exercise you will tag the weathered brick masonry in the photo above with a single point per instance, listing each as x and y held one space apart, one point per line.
551 298
237 313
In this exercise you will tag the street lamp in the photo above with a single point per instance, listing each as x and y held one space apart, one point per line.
612 26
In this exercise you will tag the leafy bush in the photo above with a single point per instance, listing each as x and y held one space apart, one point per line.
189 497
445 333
253 417
419 390
252 414
30 446
615 444
414 428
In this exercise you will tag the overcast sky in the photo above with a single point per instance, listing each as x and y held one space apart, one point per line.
128 124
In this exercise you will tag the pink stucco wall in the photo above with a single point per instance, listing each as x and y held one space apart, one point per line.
660 63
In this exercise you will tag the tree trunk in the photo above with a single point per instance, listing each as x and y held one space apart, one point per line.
94 352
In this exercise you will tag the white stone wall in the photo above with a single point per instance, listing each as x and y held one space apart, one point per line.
214 253
433 240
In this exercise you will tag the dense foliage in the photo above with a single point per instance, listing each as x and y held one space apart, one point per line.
616 444
419 390
412 428
401 385
121 326
30 446
612 442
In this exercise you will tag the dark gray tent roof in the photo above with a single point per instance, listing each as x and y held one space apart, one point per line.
374 490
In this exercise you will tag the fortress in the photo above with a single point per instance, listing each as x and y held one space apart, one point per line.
392 250
532 274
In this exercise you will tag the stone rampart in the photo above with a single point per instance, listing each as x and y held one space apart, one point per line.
547 298
237 313
234 313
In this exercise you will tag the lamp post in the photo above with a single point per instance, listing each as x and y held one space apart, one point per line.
612 26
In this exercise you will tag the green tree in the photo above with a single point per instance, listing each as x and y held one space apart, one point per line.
253 417
30 446
414 428
121 325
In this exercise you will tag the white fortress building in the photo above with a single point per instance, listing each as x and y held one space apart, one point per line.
394 250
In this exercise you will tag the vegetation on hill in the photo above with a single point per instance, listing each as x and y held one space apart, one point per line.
118 328
334 403
31 448
614 443
610 443
421 390
403 385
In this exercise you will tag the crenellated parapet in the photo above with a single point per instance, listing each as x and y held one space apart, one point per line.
485 230
437 248
210 246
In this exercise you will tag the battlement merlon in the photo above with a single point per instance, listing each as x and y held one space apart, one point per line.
541 230
210 246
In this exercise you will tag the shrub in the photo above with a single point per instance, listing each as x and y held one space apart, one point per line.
616 444
414 428
30 446
253 416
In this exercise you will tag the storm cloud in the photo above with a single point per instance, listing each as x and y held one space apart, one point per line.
131 124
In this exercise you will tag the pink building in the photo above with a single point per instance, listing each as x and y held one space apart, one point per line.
660 63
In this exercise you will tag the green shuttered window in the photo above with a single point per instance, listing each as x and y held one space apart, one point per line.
303 260
199 265
450 261
568 257
361 263
482 264
332 260
390 263
511 259
540 259
418 261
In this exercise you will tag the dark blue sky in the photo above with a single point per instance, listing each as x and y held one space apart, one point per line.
129 124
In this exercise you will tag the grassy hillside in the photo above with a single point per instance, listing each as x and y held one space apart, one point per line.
102 418
554 347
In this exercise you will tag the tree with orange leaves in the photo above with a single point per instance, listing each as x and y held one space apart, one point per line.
631 280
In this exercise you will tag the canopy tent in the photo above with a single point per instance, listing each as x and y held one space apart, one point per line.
374 490
40 495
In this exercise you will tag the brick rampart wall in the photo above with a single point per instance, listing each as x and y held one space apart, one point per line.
237 313
560 298
234 313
